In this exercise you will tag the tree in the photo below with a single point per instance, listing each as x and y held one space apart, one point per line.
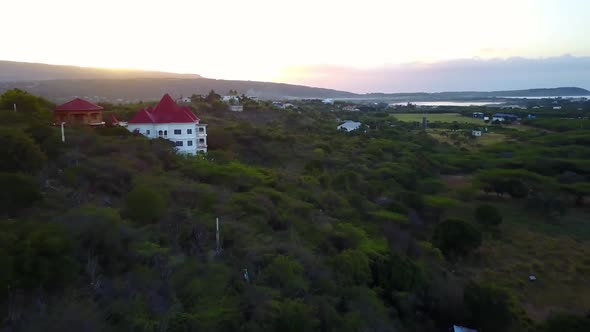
294 316
286 274
144 205
456 237
25 102
491 309
488 215
19 191
19 152
212 96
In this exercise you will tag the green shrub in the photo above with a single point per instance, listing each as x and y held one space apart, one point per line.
456 237
19 152
19 191
488 215
144 205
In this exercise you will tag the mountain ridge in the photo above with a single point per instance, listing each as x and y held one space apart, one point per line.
132 85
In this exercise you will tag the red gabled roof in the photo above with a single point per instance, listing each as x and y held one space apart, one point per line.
78 105
167 111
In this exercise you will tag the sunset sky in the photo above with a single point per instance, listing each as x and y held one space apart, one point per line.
284 40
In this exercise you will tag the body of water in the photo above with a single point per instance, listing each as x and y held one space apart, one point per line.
449 103
547 97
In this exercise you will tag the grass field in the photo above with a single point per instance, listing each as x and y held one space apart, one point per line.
442 117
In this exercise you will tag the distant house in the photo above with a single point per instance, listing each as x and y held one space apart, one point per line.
530 116
476 132
231 99
478 115
486 118
328 101
504 117
172 122
184 100
349 126
233 102
350 108
115 122
78 111
556 107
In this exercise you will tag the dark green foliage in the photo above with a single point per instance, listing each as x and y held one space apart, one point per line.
145 205
456 237
566 322
19 152
102 237
490 308
352 268
25 102
19 191
320 230
39 255
287 274
488 215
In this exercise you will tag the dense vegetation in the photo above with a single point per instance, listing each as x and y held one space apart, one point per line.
383 229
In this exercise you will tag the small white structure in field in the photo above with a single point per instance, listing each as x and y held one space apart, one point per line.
328 101
476 133
532 277
172 122
556 107
349 126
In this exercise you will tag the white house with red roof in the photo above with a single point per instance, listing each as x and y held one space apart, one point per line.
172 122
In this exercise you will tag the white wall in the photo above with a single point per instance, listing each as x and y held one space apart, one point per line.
194 137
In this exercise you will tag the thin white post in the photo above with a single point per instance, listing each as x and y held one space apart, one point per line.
63 135
14 105
218 250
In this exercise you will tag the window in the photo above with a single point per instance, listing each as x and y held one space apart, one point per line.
189 143
201 140
160 133
165 132
177 131
189 131
147 132
178 143
201 129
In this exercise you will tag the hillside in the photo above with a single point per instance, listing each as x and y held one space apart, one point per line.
62 83
390 229
12 71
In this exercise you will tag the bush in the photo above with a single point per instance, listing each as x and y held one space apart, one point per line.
19 191
19 152
144 205
488 215
456 237
286 274
490 308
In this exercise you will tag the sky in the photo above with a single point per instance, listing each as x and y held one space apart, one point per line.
299 41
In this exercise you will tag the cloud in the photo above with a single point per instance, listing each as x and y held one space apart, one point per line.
453 75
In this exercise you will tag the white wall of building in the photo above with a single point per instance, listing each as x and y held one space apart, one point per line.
189 138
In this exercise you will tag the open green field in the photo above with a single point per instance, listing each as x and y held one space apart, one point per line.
442 117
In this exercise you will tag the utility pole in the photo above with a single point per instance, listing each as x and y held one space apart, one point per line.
63 135
218 249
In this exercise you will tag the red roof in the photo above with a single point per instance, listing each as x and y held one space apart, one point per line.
78 105
167 111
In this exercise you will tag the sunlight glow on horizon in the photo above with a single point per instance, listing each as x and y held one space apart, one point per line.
269 40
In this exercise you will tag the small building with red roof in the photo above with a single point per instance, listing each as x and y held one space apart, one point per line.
172 122
78 111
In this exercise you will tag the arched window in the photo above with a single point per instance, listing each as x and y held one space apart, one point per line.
159 133
165 132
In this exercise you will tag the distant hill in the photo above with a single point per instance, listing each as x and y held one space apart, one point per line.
62 83
26 71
